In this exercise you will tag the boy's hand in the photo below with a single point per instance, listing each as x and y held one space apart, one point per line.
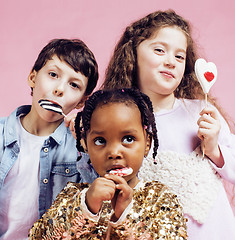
102 189
208 132
69 121
123 195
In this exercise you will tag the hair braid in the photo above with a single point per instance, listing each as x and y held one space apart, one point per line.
153 125
125 95
78 131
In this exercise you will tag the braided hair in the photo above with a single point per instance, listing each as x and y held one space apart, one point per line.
125 95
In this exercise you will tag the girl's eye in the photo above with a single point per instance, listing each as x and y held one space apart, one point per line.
99 141
53 74
180 57
159 50
128 139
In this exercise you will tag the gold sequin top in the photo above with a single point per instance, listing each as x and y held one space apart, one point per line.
155 214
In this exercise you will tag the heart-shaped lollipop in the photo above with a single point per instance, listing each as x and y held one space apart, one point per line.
206 73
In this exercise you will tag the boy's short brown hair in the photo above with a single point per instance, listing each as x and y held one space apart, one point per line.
74 52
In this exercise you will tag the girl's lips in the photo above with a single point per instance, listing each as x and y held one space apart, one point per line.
168 74
114 167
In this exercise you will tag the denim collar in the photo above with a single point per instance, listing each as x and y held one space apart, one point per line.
10 124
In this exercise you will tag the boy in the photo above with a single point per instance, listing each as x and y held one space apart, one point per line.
37 150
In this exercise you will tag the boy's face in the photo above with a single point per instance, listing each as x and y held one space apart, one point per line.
58 82
116 139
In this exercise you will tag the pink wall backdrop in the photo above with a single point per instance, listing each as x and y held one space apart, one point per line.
27 25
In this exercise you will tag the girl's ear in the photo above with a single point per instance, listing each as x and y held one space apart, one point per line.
148 145
31 78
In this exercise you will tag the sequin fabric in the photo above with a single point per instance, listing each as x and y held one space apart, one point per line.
156 214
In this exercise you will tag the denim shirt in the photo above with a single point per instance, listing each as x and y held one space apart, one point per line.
60 161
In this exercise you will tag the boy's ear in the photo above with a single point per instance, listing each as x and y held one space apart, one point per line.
82 102
148 145
31 78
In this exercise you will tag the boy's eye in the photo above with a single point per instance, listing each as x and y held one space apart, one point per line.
128 139
53 74
99 141
74 85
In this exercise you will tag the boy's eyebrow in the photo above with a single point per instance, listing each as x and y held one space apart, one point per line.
54 65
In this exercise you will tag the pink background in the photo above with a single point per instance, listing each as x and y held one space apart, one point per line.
27 25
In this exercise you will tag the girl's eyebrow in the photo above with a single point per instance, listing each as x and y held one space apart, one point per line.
129 131
96 132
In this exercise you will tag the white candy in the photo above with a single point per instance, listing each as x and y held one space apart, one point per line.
206 73
122 172
50 106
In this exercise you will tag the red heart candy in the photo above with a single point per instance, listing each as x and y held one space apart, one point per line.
209 76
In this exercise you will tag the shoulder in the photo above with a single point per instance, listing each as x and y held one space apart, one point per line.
158 188
191 103
67 194
7 124
2 123
71 188
156 185
160 207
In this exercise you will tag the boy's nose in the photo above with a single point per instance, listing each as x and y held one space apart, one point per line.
59 91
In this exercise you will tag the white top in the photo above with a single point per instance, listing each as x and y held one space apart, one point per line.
20 209
192 178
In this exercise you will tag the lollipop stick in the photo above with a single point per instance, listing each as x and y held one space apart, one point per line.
206 73
203 146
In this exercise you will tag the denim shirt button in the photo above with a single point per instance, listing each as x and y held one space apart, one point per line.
67 170
45 150
45 180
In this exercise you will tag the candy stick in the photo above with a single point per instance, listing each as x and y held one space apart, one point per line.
122 171
206 73
50 106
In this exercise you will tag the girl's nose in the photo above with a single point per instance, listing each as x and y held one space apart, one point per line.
170 60
114 153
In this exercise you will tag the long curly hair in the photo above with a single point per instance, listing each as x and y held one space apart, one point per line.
122 68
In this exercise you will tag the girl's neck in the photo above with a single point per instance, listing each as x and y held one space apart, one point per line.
133 182
162 102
